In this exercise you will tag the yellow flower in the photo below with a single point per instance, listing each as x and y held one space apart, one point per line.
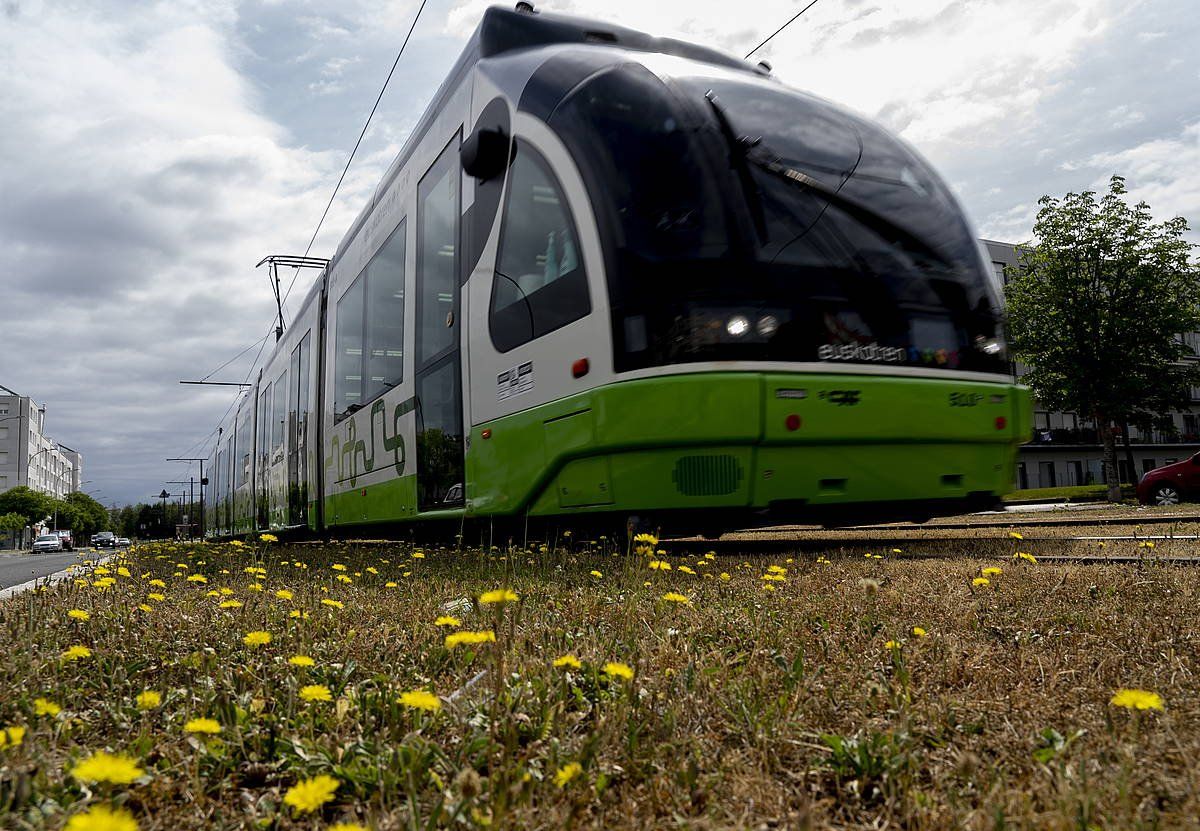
301 661
311 794
268 538
257 638
338 567
316 692
618 670
447 620
296 613
566 773
76 652
1137 699
390 584
123 572
498 596
1015 535
420 700
675 597
347 826
418 555
1029 558
116 769
231 604
980 581
336 604
197 578
148 700
725 576
159 583
596 573
45 707
686 570
254 587
568 661
11 736
776 578
203 725
660 565
486 636
237 543
78 614
645 543
776 570
145 607
156 597
890 645
344 578
919 632
102 818
991 571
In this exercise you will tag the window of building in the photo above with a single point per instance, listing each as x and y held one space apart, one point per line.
279 411
3 432
1046 477
540 284
3 457
3 483
347 360
1041 420
1148 465
1000 275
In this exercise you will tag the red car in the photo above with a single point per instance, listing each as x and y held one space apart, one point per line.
1171 484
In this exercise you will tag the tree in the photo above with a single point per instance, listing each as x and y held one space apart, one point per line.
88 515
1098 311
12 522
30 504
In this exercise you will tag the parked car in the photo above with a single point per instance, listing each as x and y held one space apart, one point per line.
1171 484
47 542
123 542
68 543
106 539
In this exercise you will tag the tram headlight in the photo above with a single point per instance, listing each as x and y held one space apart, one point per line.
737 326
767 325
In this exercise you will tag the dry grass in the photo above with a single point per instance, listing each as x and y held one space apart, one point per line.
750 707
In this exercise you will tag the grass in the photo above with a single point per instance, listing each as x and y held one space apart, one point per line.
749 707
1071 493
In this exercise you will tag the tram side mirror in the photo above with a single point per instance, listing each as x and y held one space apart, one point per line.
485 154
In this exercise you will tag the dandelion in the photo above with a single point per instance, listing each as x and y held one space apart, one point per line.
148 700
45 707
453 640
499 596
569 661
224 592
255 587
776 569
991 571
311 794
197 578
116 769
1029 558
686 570
725 576
919 632
390 584
145 607
980 581
675 597
660 565
257 638
316 692
78 614
776 578
102 818
123 572
890 645
268 538
205 726
345 578
301 661
1015 535
333 604
420 700
1137 700
347 826
618 670
566 773
596 573
447 620
11 736
645 543
231 604
418 555
76 653
158 583
237 543
156 597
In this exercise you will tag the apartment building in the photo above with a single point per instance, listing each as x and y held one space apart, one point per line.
1066 449
27 455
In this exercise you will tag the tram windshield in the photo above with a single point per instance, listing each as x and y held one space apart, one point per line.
745 221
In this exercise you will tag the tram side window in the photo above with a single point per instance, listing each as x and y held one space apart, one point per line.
264 421
348 343
540 284
279 411
385 316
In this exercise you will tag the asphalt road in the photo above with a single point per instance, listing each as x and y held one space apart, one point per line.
16 568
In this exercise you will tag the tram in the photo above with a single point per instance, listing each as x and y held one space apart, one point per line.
613 276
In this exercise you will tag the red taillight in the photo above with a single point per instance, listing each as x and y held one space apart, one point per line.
792 422
580 368
1001 422
487 433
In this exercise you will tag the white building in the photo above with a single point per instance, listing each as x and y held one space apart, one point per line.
27 455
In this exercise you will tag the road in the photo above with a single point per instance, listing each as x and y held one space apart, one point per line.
16 568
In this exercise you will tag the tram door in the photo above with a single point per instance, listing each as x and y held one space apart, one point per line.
438 374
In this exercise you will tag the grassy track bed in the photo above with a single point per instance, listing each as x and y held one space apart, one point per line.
172 689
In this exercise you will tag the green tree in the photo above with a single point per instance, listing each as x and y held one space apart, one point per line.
1098 310
12 522
88 516
30 504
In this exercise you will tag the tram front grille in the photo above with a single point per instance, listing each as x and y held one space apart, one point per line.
714 475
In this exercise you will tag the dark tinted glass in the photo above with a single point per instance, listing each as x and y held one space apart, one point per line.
437 256
348 351
385 317
540 284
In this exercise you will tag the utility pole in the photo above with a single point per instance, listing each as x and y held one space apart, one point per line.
203 484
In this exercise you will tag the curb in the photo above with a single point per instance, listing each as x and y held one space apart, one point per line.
48 580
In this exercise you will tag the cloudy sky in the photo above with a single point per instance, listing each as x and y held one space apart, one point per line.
152 153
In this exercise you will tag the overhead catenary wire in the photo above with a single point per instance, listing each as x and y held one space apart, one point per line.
781 28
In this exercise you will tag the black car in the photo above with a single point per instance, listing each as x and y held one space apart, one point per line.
106 539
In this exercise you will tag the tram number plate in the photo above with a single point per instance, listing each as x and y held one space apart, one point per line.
514 381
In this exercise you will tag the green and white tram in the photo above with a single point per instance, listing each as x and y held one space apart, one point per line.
615 276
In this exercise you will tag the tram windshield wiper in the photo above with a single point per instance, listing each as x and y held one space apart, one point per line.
739 147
